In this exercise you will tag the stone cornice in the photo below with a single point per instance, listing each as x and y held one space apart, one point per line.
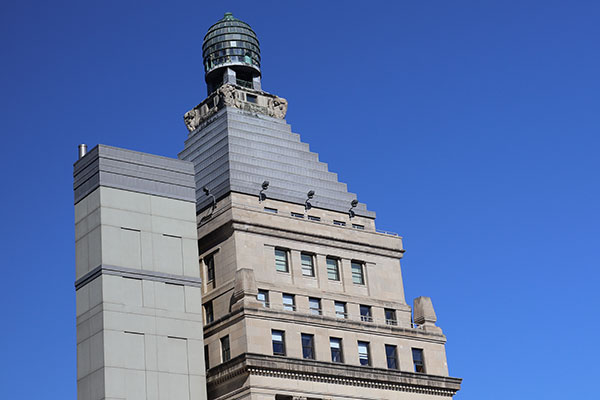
332 373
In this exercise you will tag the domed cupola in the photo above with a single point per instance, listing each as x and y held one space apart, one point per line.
231 54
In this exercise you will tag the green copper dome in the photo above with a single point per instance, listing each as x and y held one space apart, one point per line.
231 43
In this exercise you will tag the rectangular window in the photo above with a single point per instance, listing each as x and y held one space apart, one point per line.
365 313
390 317
308 268
297 215
313 218
339 223
340 309
358 277
251 98
314 305
308 346
271 210
206 360
263 297
209 261
391 354
289 303
281 260
208 312
357 226
225 351
335 344
418 360
278 342
363 353
333 270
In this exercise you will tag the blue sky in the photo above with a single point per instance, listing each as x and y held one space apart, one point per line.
470 127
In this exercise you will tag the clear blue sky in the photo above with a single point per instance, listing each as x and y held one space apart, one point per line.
470 127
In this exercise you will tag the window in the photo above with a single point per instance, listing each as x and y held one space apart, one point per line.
333 271
340 309
206 360
313 218
308 268
281 260
363 353
251 98
365 313
289 303
418 360
339 223
335 344
297 215
391 354
208 312
263 297
308 346
278 342
209 261
225 351
357 226
357 273
271 210
314 305
390 317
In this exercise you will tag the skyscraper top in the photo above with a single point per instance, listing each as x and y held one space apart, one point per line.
230 43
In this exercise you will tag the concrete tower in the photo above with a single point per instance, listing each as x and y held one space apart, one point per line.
302 296
138 288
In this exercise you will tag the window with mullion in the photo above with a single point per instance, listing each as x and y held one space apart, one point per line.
263 297
418 361
225 350
363 353
340 309
314 304
335 344
358 277
278 338
365 313
308 346
308 268
289 302
391 354
281 260
333 270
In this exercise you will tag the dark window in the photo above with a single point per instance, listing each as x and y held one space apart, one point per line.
289 303
263 297
271 210
308 268
208 311
278 338
281 260
335 344
333 271
418 360
297 215
313 218
209 261
340 309
358 277
390 317
206 363
391 354
363 353
315 305
365 313
357 226
308 346
339 223
225 351
251 98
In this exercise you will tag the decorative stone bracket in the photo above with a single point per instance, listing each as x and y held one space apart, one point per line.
239 97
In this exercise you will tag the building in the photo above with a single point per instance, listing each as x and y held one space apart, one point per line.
301 296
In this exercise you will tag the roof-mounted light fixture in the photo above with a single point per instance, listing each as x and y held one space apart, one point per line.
309 195
351 212
261 195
